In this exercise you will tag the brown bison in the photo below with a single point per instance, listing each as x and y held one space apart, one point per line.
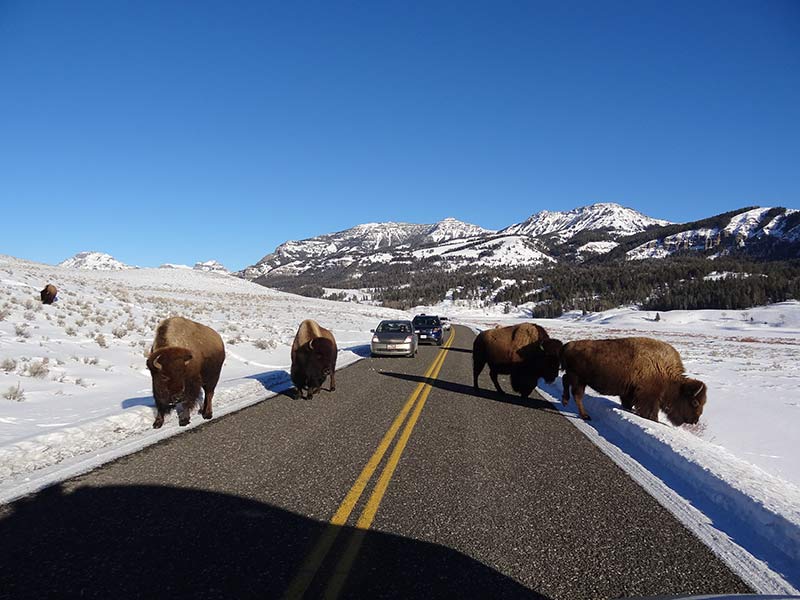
313 358
48 294
645 373
185 357
524 351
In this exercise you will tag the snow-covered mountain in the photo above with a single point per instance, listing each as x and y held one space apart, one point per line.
609 217
211 266
756 232
603 231
94 261
372 242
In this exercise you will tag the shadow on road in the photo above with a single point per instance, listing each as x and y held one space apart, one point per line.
460 388
155 542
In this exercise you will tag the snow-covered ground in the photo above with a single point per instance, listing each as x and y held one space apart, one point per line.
74 390
738 469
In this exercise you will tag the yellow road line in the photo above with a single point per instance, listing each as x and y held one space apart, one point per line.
314 560
342 569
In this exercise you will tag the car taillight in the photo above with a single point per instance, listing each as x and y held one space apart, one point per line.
407 340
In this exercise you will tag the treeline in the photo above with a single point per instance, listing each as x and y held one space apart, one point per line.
667 284
678 282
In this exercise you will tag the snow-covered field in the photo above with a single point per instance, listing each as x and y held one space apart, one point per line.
74 390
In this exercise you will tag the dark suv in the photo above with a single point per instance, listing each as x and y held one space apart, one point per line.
428 328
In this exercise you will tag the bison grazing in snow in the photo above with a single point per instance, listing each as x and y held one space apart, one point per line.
313 358
48 294
646 374
524 351
185 357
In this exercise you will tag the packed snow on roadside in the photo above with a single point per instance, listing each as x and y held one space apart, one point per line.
739 465
74 388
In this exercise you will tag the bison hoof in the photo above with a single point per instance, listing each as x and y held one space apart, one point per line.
565 401
158 423
586 417
333 388
206 415
183 422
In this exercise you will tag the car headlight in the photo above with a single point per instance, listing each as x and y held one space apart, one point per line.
407 340
375 339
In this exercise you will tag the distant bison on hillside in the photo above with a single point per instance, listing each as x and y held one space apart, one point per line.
48 294
313 358
646 374
185 357
525 352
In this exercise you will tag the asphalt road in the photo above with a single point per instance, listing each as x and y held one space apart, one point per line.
456 493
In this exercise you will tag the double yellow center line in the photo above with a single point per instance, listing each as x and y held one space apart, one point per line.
317 556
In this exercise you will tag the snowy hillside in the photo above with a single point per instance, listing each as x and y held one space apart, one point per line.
759 230
94 261
613 218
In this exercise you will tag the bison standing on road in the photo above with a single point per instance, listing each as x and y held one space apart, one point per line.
524 351
646 374
313 358
48 294
185 357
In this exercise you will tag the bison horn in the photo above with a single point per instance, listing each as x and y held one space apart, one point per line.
700 389
156 363
310 344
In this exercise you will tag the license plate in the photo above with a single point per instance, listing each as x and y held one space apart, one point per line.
391 346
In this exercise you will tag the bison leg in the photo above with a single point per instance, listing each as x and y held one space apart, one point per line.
493 375
566 382
162 411
647 406
333 380
477 366
571 382
208 396
627 400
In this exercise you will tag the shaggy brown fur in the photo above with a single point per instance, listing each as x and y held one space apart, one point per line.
646 374
48 294
313 358
524 351
185 358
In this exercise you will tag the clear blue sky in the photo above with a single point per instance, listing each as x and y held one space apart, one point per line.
184 131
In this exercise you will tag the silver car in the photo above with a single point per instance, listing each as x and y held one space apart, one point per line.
394 338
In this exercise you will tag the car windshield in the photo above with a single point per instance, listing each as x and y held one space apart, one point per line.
393 327
426 322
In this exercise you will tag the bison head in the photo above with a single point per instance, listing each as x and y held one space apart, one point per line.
551 360
168 369
688 406
323 352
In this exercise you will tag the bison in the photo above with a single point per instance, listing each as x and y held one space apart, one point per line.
313 358
524 351
646 374
48 294
185 357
